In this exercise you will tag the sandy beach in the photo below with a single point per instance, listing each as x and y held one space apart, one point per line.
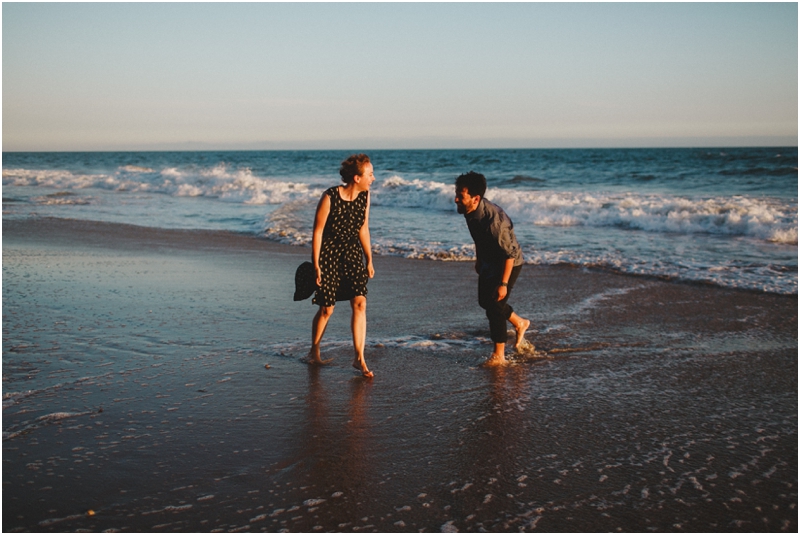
152 382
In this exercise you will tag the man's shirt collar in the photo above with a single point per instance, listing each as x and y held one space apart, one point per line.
478 212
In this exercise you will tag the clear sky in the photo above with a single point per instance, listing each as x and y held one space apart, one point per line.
137 76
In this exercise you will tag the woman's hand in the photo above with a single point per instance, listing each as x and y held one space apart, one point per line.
319 276
370 269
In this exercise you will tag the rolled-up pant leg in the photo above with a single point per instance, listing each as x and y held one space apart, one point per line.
497 312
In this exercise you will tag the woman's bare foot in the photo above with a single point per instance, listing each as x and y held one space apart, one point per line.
316 362
314 358
523 326
496 360
361 366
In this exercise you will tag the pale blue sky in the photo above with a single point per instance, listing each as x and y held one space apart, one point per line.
415 75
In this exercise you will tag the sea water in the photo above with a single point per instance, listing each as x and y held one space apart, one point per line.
725 216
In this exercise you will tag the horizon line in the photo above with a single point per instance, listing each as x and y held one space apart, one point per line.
380 149
433 143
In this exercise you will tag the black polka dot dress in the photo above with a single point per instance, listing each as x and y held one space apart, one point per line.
341 259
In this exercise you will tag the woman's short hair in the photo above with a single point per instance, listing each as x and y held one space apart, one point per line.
475 183
352 166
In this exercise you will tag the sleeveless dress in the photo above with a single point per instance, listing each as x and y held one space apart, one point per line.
341 259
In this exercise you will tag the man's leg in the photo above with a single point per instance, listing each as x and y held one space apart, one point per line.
498 312
520 324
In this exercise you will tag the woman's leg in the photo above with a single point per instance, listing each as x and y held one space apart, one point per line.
318 325
358 324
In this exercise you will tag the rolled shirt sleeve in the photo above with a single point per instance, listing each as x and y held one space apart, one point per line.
506 239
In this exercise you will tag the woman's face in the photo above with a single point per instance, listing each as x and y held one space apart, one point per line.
365 179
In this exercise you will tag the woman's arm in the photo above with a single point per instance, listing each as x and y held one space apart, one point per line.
323 210
366 244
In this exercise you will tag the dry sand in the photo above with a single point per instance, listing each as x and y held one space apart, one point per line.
136 397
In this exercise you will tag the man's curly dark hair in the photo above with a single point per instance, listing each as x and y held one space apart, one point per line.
475 183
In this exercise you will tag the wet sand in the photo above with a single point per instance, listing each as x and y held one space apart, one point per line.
137 397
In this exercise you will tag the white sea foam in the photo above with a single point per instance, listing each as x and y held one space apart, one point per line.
766 219
762 218
62 200
595 300
237 186
11 398
56 416
708 257
396 191
415 218
434 343
50 521
25 427
135 169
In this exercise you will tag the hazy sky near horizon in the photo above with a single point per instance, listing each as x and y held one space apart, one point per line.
138 76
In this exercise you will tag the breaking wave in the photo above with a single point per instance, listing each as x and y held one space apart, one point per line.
768 219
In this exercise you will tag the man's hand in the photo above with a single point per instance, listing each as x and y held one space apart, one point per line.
502 292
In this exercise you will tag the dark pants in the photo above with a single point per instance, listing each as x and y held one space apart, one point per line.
498 312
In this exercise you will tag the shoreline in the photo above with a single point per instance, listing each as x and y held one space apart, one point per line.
91 233
135 386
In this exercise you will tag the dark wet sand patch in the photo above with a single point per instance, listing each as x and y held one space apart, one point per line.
135 387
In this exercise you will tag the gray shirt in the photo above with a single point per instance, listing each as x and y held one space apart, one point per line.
493 233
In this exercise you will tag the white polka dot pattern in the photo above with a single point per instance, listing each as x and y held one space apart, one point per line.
344 275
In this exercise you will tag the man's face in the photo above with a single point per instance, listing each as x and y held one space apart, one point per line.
466 203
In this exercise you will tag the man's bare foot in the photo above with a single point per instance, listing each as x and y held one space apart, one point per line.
521 333
361 366
496 360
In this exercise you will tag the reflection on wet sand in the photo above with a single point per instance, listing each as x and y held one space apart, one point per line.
337 453
675 408
489 470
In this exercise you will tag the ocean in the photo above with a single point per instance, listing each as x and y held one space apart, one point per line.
725 217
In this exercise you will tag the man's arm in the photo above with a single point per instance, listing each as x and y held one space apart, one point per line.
502 289
502 232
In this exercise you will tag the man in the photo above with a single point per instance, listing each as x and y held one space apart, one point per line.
498 260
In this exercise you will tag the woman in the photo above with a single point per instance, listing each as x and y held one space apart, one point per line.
339 244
